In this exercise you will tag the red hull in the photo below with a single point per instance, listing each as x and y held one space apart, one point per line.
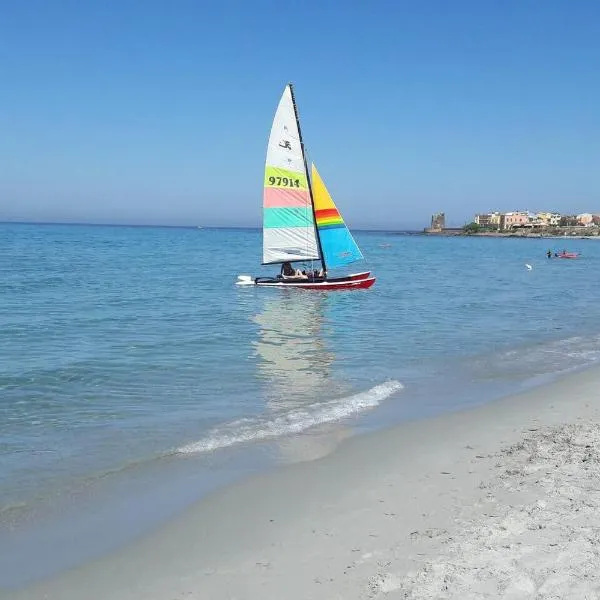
357 281
356 276
350 284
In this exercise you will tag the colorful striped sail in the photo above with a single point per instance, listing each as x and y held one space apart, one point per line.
288 224
337 243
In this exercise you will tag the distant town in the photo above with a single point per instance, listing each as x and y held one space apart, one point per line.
521 223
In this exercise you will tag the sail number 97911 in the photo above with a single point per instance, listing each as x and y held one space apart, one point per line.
284 181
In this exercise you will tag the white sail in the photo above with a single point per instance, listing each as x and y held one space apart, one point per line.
288 223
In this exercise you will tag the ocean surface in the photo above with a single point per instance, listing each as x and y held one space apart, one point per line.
135 376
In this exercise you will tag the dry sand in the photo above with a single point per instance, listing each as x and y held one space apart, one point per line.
502 501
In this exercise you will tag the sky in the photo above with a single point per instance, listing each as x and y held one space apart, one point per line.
159 112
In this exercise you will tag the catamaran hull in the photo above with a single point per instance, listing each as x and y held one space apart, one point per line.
356 281
347 284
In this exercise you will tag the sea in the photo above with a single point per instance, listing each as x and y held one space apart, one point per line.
136 377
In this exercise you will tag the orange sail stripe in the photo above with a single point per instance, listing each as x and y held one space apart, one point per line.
325 213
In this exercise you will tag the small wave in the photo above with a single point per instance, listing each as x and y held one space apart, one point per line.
297 421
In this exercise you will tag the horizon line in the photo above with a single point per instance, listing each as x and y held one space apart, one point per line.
165 226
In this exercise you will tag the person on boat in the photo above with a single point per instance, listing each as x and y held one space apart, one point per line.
288 272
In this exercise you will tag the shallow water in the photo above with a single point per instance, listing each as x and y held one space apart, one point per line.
129 361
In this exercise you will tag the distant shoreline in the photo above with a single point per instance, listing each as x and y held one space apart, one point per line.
512 234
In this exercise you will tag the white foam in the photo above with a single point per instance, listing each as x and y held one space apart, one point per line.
296 421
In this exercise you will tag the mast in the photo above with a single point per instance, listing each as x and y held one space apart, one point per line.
310 193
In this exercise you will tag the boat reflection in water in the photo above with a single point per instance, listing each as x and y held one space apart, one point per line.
296 365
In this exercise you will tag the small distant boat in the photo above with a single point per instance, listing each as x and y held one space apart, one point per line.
301 223
563 254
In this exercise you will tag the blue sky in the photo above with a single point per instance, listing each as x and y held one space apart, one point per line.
152 111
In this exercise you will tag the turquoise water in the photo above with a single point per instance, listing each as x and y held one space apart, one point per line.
135 376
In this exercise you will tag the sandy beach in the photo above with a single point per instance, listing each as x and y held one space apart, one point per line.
501 501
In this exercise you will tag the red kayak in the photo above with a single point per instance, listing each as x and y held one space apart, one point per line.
568 255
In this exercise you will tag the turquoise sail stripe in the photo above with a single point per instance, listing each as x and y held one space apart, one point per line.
287 217
339 247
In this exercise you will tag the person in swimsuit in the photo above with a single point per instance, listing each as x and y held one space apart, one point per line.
288 272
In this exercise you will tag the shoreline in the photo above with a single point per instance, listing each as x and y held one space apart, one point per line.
530 236
378 514
511 234
105 518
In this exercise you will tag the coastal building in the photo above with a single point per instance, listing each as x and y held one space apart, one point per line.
534 221
495 219
550 219
569 221
586 219
489 220
483 220
438 222
515 219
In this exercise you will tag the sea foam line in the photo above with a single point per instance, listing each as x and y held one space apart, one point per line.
296 421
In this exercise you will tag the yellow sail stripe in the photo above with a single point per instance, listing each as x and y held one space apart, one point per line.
283 178
321 198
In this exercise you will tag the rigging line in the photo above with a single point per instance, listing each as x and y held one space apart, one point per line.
310 208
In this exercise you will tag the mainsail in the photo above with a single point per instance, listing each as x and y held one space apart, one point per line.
337 243
288 223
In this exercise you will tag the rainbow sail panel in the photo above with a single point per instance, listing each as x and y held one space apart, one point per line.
288 223
337 243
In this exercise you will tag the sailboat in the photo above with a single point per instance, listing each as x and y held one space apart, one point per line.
301 223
